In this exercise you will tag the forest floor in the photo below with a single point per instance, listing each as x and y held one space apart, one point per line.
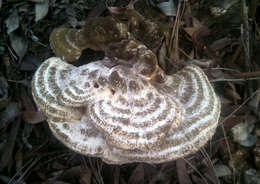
222 37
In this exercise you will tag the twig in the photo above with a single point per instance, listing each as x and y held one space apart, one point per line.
235 80
19 172
206 155
196 170
174 38
246 40
227 69
248 74
223 129
245 35
27 170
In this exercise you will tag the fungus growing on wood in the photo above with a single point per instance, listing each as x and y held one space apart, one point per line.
100 32
128 111
68 43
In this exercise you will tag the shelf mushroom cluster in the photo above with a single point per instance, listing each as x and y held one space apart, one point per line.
127 112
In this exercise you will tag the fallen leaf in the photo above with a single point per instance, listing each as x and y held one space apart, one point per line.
12 22
251 176
9 114
242 134
19 43
167 8
41 10
71 15
196 25
222 170
6 155
199 35
211 175
30 115
30 63
221 43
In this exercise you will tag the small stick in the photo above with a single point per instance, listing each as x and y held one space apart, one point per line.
245 41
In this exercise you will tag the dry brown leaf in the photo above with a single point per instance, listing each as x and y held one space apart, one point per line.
190 30
196 24
199 35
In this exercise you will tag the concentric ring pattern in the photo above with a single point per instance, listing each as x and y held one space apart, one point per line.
115 113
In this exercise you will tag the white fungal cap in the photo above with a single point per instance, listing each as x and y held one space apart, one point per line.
121 116
46 87
201 110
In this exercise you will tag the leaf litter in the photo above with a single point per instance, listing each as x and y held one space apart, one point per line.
30 154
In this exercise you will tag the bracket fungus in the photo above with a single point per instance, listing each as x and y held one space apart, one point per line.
68 43
123 108
100 32
127 112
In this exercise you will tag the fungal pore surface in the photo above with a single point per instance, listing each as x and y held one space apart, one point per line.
127 112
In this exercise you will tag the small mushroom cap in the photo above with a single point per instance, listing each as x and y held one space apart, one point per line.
122 116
